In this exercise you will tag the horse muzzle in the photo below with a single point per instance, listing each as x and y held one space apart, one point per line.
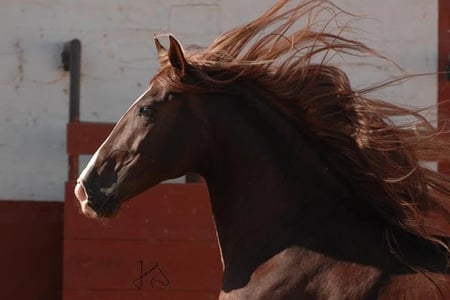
82 196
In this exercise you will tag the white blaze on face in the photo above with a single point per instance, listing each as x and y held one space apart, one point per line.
80 191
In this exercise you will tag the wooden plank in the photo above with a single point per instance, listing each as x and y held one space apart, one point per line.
444 48
31 249
141 266
85 137
138 295
166 212
443 64
30 212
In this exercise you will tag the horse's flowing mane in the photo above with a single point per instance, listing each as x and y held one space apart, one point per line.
364 142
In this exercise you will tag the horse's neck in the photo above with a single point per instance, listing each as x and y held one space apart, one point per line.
269 190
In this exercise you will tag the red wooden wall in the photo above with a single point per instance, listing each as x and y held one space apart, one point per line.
162 245
30 250
444 54
443 64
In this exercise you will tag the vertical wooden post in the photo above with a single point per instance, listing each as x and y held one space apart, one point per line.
443 65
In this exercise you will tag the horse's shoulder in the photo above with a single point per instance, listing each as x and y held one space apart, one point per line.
416 286
297 273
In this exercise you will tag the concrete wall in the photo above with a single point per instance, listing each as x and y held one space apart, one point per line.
118 59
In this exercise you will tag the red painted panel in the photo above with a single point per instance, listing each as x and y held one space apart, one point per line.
167 231
139 295
165 212
444 48
141 265
443 64
31 250
85 138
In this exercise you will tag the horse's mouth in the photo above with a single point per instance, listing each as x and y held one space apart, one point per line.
105 208
87 210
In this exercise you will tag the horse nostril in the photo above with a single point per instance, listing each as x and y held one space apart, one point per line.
80 192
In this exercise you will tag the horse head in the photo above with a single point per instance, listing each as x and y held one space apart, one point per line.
158 138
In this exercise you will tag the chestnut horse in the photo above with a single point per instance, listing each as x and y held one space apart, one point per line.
316 192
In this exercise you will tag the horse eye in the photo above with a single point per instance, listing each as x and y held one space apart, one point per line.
147 111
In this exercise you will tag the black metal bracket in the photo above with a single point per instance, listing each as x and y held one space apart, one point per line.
71 59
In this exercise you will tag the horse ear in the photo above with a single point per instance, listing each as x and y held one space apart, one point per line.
176 55
160 50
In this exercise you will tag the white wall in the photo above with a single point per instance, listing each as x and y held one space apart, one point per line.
118 59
